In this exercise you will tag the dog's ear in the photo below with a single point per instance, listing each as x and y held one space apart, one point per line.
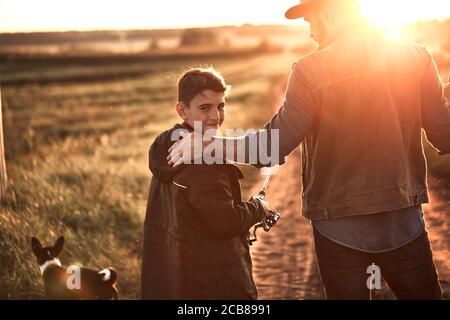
58 246
35 245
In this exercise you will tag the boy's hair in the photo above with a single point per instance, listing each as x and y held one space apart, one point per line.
196 80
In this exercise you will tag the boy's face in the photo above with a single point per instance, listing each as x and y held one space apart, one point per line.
208 107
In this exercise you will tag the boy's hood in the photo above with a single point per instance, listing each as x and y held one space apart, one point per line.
159 151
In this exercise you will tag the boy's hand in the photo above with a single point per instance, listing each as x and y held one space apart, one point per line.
267 221
266 206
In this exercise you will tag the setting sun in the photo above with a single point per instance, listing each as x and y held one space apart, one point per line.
390 15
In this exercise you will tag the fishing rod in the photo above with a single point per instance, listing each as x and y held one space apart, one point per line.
271 218
262 194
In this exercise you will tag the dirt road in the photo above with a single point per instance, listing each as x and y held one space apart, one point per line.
284 260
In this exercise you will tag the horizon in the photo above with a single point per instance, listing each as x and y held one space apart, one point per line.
163 28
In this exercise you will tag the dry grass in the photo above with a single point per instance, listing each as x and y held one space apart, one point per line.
77 157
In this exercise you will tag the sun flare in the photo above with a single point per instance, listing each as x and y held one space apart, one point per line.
391 15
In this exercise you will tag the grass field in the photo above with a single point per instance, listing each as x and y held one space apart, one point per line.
77 136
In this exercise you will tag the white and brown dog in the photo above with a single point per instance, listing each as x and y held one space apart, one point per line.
74 282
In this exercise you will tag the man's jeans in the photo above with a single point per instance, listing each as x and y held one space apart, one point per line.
408 270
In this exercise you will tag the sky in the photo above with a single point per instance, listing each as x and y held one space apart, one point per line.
63 15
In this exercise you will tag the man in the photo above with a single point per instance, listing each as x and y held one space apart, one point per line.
357 106
196 225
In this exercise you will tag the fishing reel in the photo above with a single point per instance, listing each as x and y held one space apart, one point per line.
269 220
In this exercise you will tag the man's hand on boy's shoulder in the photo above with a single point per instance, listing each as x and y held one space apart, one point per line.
184 150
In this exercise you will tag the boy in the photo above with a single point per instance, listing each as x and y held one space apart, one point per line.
196 225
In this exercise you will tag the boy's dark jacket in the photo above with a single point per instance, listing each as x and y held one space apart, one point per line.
195 230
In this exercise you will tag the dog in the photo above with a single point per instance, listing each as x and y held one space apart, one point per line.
73 283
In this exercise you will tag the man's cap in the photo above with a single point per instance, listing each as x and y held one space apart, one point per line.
304 6
299 10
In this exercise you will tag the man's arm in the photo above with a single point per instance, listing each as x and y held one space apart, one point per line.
435 108
294 120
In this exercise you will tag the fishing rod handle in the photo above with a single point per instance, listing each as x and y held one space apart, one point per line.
261 195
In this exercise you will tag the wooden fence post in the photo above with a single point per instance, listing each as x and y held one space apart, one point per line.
3 176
